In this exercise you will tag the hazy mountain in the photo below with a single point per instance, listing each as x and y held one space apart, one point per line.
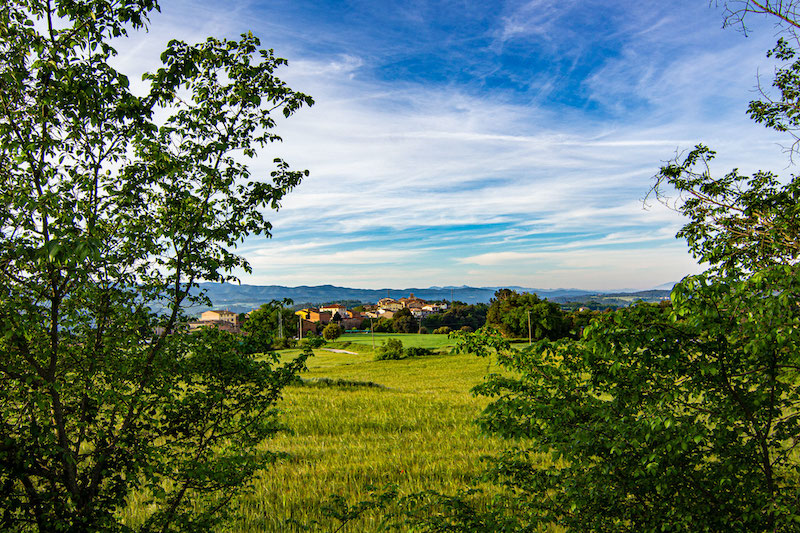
242 298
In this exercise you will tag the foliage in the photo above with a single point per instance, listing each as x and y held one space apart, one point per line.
457 315
688 413
114 206
417 351
383 325
390 349
512 314
267 326
404 322
313 340
332 331
442 330
578 320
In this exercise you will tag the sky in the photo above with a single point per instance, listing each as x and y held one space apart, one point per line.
506 143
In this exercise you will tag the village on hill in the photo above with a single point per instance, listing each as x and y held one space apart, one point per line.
310 319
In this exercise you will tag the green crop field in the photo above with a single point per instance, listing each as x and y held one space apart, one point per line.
410 340
416 430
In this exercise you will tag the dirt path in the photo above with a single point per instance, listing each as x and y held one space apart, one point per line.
338 351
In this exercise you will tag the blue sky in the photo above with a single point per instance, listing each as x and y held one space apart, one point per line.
488 143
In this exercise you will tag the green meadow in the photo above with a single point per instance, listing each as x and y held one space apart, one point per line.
358 423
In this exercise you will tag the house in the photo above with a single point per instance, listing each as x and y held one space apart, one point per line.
314 315
351 323
306 327
336 308
412 302
220 315
389 304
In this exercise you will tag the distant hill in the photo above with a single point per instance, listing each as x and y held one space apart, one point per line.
610 300
243 298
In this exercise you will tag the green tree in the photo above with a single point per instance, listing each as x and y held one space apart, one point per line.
512 314
390 349
114 206
685 415
404 322
332 331
384 325
270 322
457 315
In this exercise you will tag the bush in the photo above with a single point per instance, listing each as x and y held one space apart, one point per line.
284 343
467 329
417 351
423 330
444 330
332 331
390 349
313 340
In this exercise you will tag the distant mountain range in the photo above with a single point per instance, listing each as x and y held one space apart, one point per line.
242 298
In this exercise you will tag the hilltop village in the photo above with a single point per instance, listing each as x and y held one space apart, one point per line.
312 319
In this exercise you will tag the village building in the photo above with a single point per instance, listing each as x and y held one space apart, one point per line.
389 304
412 302
315 315
220 315
336 308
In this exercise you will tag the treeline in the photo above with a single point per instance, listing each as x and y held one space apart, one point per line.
515 315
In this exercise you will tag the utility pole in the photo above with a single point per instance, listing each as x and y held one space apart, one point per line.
373 333
300 319
529 328
280 323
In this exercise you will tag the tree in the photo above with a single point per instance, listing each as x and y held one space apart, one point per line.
390 349
685 415
404 322
458 314
332 331
114 206
384 325
512 314
268 323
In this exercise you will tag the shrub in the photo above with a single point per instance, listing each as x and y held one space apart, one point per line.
467 329
390 349
313 340
416 351
443 330
332 331
284 343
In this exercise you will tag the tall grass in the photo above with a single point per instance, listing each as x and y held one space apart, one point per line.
358 423
417 432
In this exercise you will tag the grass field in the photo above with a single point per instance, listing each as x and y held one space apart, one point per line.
416 430
409 339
